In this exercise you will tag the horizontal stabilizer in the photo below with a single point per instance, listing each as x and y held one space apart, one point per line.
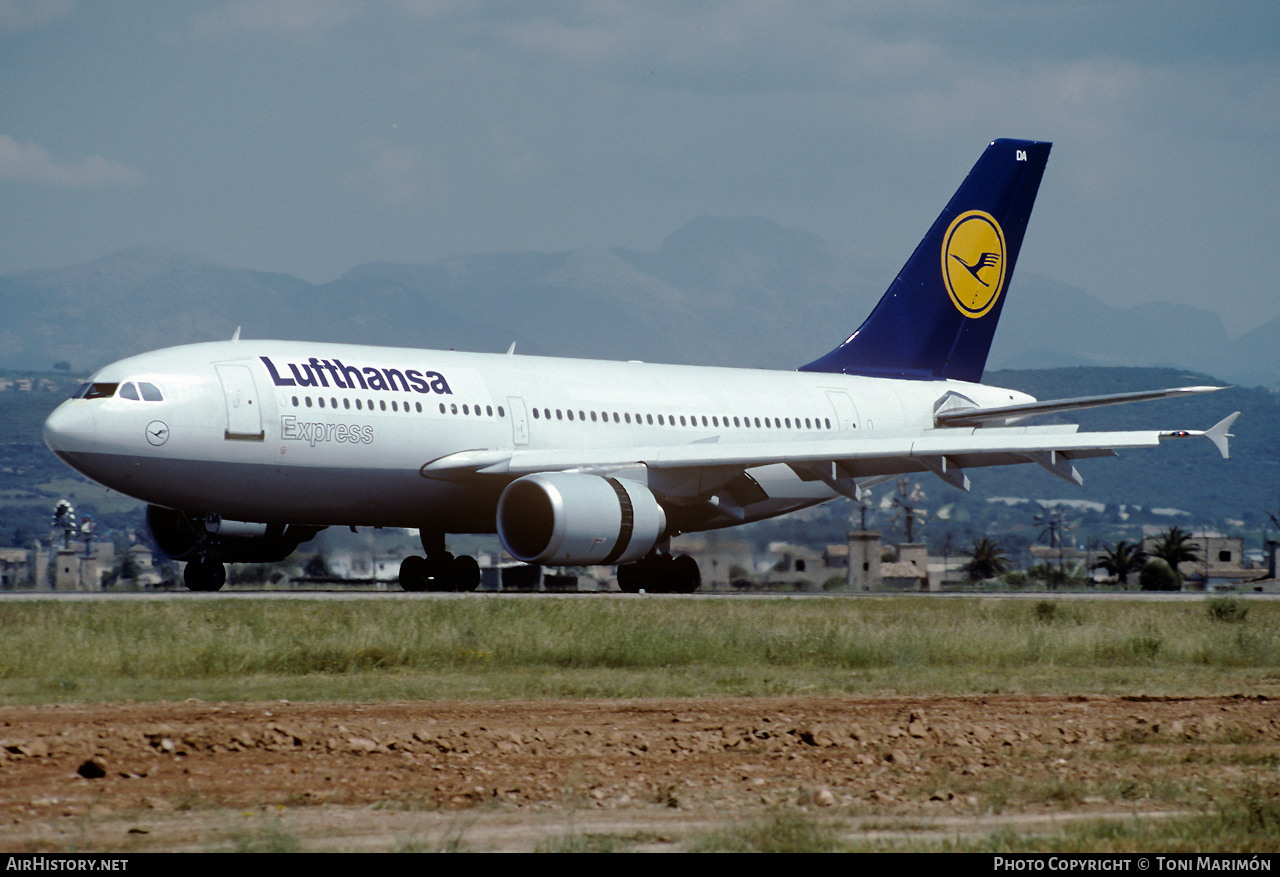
1013 413
1217 434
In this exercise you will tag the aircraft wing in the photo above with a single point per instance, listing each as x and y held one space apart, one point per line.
840 463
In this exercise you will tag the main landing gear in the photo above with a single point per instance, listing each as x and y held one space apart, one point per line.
203 574
439 570
660 574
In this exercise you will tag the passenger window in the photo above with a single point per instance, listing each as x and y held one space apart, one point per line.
129 391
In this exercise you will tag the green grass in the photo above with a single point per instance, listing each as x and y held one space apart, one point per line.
1247 823
783 831
502 647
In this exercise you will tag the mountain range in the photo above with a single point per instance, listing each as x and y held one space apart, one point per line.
718 291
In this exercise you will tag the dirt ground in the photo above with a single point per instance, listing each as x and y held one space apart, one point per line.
653 775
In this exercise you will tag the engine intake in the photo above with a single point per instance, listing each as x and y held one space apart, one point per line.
571 518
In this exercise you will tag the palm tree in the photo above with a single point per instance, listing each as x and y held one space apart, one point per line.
988 560
1173 547
1121 559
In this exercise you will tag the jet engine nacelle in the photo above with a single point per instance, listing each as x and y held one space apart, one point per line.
186 536
571 518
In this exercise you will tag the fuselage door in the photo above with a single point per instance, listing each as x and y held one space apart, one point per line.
244 415
519 421
846 411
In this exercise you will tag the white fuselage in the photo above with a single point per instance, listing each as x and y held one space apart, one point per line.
332 434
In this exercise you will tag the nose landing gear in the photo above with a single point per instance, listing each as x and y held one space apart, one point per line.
203 574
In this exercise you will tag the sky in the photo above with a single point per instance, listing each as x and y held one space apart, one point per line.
310 137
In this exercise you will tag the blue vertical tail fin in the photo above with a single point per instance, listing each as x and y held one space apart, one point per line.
939 315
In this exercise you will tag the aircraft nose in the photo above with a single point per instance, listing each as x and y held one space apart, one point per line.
70 427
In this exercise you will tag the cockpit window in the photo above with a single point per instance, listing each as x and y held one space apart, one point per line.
100 391
140 391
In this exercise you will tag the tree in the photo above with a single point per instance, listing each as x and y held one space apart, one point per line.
1121 559
316 567
1157 575
988 560
1173 547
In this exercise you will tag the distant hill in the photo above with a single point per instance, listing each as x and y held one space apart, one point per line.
722 291
1185 474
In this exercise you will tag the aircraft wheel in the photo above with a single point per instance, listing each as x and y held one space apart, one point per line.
630 580
660 571
413 573
466 573
439 573
685 575
204 575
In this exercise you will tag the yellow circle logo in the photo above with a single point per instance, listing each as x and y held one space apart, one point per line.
973 262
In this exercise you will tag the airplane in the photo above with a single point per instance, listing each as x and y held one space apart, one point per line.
245 449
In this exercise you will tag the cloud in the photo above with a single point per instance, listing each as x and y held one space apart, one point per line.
31 14
396 174
273 17
32 163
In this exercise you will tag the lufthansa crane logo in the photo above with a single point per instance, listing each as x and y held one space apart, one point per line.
973 262
157 432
